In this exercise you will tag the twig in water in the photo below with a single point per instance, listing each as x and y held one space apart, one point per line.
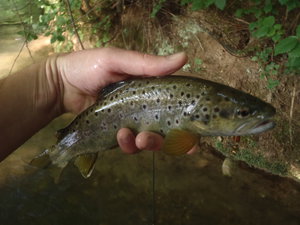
15 60
25 42
73 23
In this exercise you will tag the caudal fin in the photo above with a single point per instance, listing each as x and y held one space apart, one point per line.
44 161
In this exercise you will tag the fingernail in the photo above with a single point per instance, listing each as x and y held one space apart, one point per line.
176 56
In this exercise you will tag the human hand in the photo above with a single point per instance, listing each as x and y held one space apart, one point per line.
84 73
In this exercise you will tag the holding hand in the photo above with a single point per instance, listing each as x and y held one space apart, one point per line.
84 73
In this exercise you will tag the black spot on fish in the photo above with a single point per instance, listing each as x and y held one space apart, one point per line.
180 103
169 123
135 118
185 114
147 82
112 98
144 106
116 96
188 84
214 116
216 109
108 110
193 102
73 130
96 113
131 103
169 108
133 92
207 99
171 96
143 92
87 121
198 96
174 86
197 116
224 113
207 117
161 131
204 109
152 87
92 109
158 100
140 84
203 93
156 117
177 121
115 126
188 95
182 93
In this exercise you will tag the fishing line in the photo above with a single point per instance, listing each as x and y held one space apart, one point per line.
153 189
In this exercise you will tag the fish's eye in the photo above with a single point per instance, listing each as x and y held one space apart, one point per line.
242 113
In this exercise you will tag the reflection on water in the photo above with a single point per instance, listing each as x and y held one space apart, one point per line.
189 189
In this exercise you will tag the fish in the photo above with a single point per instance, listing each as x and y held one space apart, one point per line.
180 108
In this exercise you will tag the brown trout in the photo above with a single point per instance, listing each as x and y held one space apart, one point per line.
178 107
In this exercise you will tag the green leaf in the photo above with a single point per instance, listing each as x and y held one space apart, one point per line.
295 52
298 31
268 6
60 38
196 5
220 4
283 2
261 32
238 13
269 21
286 45
293 62
53 39
252 26
272 83
277 26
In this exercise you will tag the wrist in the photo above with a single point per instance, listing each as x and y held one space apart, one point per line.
49 88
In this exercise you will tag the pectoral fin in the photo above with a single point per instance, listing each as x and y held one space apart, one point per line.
86 163
179 142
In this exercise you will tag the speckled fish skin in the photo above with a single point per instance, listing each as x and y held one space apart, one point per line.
159 105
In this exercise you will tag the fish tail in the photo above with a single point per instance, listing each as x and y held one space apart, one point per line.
44 160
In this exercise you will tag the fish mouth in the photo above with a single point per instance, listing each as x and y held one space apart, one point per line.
263 126
257 127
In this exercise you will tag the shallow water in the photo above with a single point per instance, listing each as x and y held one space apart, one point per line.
189 189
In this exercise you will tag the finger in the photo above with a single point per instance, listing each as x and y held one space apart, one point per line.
135 63
193 150
126 140
149 141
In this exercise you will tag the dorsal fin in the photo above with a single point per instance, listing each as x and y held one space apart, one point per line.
112 88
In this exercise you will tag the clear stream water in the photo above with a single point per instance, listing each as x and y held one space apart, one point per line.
189 189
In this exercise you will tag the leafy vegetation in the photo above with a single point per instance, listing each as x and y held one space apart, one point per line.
271 24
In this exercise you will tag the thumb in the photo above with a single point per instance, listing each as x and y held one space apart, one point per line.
136 63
